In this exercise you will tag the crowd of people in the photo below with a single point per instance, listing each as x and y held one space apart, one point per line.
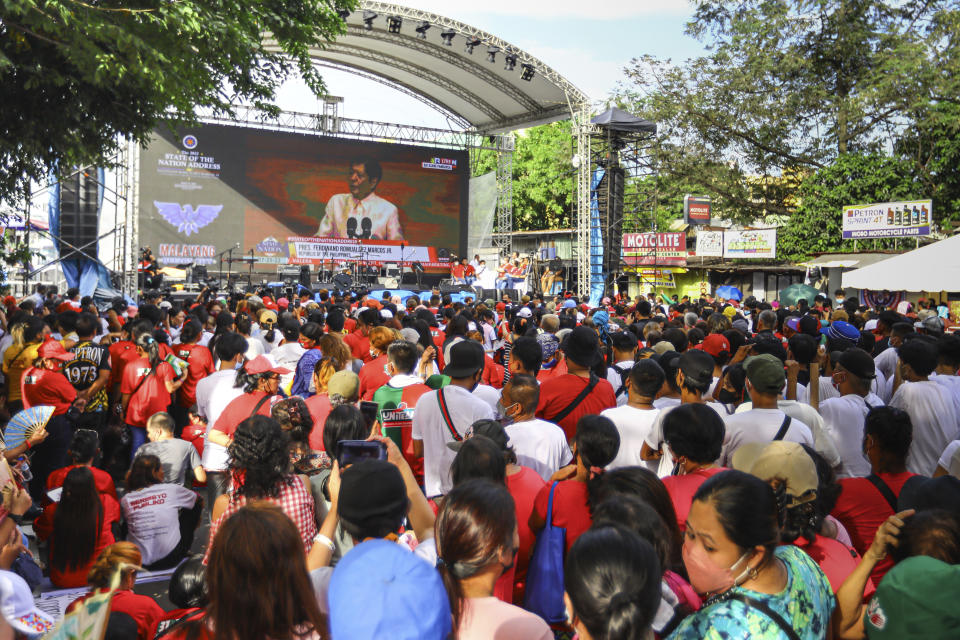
529 469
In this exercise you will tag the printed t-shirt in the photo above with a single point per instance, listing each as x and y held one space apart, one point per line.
373 375
861 509
540 445
152 396
485 618
101 479
398 401
177 457
524 486
319 407
16 360
682 489
151 513
570 508
634 426
91 359
557 393
199 366
42 386
935 413
143 609
241 408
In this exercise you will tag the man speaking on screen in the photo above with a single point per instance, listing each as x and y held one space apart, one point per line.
361 214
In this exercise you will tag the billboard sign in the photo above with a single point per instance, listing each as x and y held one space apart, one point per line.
709 244
298 199
750 243
642 249
888 220
696 209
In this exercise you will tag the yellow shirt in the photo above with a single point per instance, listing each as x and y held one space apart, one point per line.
16 360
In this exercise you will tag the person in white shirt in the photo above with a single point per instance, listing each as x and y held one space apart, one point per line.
635 419
446 415
288 354
765 422
948 363
214 393
933 408
538 444
844 416
669 395
886 360
624 353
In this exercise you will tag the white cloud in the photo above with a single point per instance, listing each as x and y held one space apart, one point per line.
546 9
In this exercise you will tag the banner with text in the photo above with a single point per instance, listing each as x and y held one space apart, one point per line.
312 250
888 219
654 248
709 244
750 243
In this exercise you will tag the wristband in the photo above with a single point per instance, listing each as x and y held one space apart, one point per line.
324 540
29 446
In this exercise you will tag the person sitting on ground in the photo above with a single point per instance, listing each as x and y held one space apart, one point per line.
177 456
188 592
161 516
122 557
83 452
78 528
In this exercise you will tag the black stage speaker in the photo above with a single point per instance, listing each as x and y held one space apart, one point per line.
305 276
489 294
78 212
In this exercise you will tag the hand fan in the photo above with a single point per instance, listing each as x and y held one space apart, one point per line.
26 423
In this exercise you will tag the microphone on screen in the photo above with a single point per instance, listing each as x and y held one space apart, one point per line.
351 227
367 225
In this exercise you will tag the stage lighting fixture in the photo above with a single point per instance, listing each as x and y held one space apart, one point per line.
510 62
422 30
492 53
393 24
448 37
368 18
527 72
471 43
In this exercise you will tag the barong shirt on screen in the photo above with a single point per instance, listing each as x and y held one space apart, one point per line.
384 219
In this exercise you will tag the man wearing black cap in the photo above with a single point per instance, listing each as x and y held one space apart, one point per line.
624 353
564 399
445 415
843 416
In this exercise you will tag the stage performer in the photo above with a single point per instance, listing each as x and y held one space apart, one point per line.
361 213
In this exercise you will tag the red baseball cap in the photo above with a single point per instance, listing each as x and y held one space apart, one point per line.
715 344
270 304
283 302
55 350
264 364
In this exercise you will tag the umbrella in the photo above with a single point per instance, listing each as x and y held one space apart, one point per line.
26 423
790 295
729 292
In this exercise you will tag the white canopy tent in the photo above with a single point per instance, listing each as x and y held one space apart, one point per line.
935 267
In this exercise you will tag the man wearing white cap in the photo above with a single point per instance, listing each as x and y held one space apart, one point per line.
19 610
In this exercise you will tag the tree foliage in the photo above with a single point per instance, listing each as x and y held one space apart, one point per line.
75 75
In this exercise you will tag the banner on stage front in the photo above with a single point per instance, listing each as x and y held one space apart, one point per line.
312 250
709 244
750 243
888 220
640 249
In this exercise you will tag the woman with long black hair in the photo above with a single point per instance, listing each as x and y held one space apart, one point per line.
146 388
78 528
477 540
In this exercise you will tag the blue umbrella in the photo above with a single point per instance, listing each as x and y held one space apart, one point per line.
729 292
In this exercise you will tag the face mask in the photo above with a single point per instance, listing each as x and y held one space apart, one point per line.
725 396
502 413
705 576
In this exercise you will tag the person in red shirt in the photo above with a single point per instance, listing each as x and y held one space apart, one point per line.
44 384
373 374
188 592
562 399
695 436
457 272
78 527
865 503
146 388
594 447
358 341
83 449
199 365
121 352
125 558
260 379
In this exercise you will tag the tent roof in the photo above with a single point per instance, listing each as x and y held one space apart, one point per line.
463 85
619 120
847 260
935 267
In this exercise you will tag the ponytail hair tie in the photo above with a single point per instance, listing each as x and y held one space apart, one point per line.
440 563
596 471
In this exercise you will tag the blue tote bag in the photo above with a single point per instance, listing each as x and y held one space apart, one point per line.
544 593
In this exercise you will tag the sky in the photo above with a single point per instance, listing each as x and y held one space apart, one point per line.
590 46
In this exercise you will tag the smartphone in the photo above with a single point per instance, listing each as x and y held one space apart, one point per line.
370 411
352 451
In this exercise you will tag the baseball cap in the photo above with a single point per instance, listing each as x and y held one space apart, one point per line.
581 346
268 317
765 373
569 303
372 491
697 367
858 362
870 325
345 384
780 459
466 358
410 334
793 323
741 325
53 349
729 311
809 325
930 323
663 346
283 303
386 314
269 304
501 307
381 590
715 344
19 609
264 364
840 330
524 312
922 493
916 598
